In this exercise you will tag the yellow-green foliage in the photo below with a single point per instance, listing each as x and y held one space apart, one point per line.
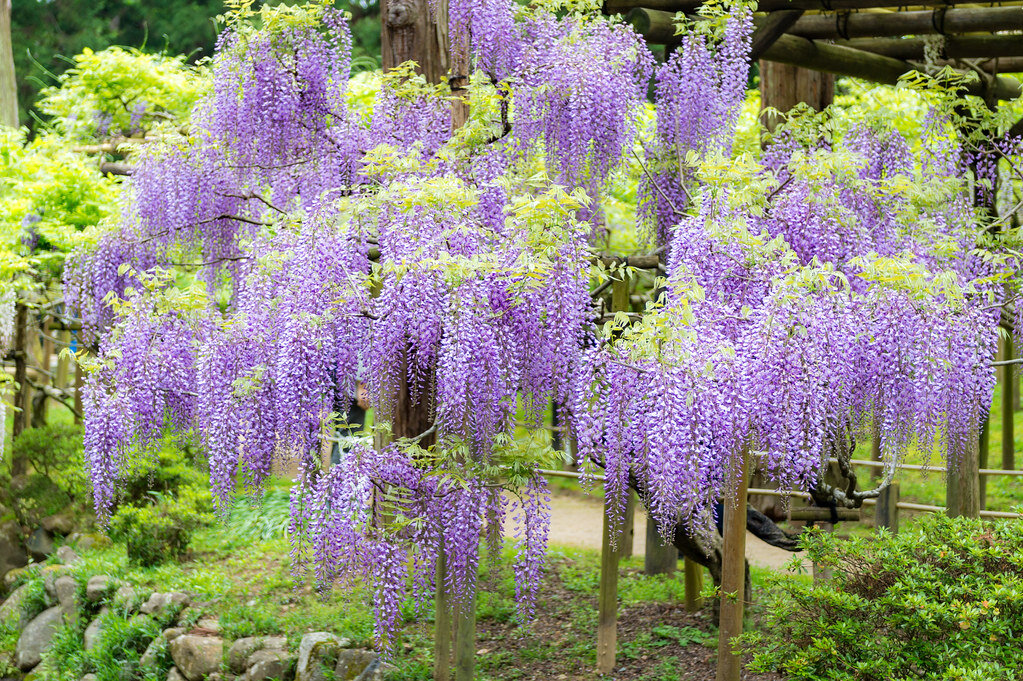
48 196
122 91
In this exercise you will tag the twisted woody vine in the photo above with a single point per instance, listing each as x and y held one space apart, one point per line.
294 243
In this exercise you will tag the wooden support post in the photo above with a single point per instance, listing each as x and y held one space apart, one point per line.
659 558
607 603
63 362
1008 414
982 458
23 400
820 572
79 384
441 623
733 568
465 639
888 509
628 527
963 483
46 367
782 86
693 573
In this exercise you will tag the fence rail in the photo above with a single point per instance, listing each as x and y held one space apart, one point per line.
905 505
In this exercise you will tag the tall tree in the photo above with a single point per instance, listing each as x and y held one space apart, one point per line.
8 83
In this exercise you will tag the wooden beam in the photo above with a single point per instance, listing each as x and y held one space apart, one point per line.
846 61
927 22
771 29
623 6
955 47
655 26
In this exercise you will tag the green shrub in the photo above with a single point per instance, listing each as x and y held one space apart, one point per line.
164 499
56 476
162 530
941 601
261 518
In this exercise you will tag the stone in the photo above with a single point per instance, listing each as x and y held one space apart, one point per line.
67 596
218 676
36 638
351 664
39 544
98 587
12 554
239 652
197 656
88 677
317 654
11 611
50 574
67 555
12 576
270 664
149 658
91 636
126 597
173 633
160 602
175 675
61 523
209 624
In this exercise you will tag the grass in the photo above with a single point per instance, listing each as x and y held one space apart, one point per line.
248 584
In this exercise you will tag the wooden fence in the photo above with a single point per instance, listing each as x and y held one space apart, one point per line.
664 559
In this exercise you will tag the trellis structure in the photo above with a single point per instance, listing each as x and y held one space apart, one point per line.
877 40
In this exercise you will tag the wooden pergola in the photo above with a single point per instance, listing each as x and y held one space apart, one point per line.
876 40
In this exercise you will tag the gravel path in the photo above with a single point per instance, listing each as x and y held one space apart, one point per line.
576 520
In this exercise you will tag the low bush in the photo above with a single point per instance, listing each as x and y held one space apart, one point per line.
55 473
165 499
942 601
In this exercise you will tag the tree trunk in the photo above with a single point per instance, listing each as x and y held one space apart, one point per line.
8 82
410 32
783 86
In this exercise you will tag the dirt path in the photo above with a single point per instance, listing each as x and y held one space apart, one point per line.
576 520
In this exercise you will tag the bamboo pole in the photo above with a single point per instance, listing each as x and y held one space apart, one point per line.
23 400
733 568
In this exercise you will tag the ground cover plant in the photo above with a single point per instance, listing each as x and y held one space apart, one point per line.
942 600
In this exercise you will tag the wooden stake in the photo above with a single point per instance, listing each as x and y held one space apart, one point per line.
659 558
629 527
1008 413
23 400
982 458
465 640
607 603
887 508
963 483
441 623
733 569
79 383
694 585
